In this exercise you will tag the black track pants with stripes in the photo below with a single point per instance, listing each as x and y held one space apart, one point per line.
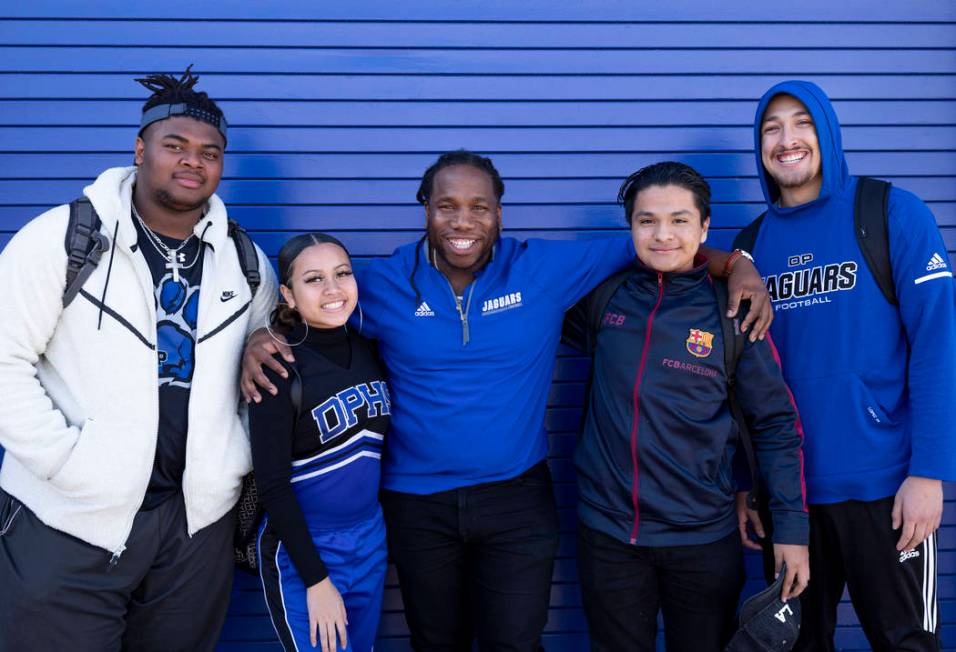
852 544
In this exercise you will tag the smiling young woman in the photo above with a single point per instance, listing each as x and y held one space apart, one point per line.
317 459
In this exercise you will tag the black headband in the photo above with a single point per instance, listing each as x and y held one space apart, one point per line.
163 111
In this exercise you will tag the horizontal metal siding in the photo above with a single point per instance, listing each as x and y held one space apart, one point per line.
336 110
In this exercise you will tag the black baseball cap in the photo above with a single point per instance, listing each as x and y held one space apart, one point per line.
767 624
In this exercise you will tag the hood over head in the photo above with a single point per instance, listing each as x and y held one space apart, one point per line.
835 172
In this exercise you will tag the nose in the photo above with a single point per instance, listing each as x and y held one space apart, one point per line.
462 220
662 232
191 157
788 135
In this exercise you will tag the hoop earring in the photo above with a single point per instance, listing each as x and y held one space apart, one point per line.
361 316
273 335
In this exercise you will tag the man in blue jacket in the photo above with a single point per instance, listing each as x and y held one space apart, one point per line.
875 382
468 324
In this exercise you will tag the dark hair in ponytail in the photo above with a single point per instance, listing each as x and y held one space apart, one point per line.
283 317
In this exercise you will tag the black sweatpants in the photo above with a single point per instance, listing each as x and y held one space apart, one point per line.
623 587
853 545
476 562
168 592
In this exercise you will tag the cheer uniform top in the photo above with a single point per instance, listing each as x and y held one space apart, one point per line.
318 469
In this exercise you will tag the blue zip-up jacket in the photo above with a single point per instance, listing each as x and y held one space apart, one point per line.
469 384
654 460
875 383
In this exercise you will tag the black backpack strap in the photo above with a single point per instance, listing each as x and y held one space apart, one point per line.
747 238
248 258
734 344
870 224
84 246
594 305
597 302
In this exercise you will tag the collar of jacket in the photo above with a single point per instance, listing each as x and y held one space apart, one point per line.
111 195
646 278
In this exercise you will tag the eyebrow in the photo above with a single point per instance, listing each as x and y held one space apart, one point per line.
682 211
181 139
776 117
454 197
319 271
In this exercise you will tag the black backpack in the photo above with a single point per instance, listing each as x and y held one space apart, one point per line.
85 246
870 224
734 343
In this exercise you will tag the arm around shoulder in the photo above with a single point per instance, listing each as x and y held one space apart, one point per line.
571 269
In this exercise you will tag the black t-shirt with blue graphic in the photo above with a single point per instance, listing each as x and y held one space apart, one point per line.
177 310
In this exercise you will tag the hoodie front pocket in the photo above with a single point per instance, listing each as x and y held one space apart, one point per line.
847 429
101 468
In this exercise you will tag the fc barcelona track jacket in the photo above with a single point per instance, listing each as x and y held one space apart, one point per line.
654 462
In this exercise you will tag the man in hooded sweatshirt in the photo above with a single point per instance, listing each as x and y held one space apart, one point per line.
125 451
875 382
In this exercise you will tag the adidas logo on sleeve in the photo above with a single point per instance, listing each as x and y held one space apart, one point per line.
424 310
936 262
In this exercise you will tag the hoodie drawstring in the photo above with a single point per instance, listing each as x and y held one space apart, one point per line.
411 279
106 284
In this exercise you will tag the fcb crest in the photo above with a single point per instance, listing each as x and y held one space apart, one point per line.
700 343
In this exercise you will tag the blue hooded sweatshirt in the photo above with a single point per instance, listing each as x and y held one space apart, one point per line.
875 383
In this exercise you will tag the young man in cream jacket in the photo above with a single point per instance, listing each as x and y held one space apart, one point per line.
124 446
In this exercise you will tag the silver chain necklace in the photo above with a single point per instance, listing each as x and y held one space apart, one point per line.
175 259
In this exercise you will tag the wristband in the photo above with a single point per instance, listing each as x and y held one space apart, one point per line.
734 255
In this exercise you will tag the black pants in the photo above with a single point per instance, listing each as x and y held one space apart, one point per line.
853 545
623 587
476 562
168 592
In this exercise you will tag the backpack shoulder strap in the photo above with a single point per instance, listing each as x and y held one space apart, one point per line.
747 238
248 258
870 224
730 329
84 246
598 301
734 344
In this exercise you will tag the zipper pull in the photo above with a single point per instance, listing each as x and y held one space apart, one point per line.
464 322
114 560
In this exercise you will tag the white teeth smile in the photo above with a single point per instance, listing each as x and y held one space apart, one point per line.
335 305
461 245
792 157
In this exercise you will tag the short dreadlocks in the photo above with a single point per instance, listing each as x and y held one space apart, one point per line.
172 97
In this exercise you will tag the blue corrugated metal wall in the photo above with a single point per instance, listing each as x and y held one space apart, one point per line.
336 110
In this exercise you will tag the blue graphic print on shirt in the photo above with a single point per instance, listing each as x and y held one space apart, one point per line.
177 309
